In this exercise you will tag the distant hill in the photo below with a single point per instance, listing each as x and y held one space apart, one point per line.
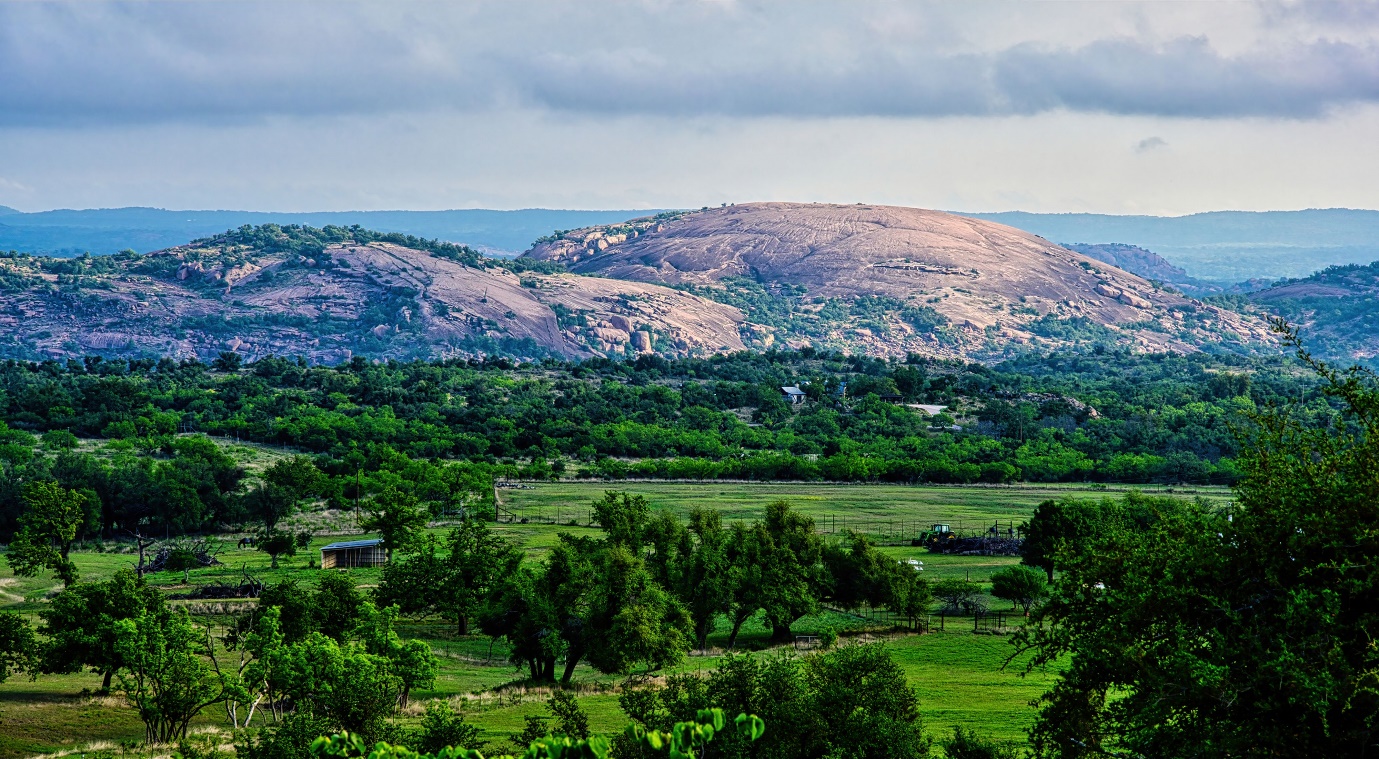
1223 246
329 294
1336 309
109 230
886 280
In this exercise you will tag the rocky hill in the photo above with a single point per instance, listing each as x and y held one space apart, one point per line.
1336 309
886 280
328 294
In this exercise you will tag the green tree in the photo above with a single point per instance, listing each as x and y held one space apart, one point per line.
632 620
182 559
476 560
19 649
684 739
1058 525
48 527
412 662
1020 585
1240 631
297 476
337 605
442 727
570 720
623 517
394 515
910 593
286 483
349 687
862 705
851 701
80 623
165 673
277 543
779 570
228 362
289 738
297 616
454 580
858 574
703 579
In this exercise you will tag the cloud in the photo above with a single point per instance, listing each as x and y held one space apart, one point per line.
103 63
1150 143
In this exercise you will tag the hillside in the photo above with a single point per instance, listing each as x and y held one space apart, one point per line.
886 280
329 294
1337 310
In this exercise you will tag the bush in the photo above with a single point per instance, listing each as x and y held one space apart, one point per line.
289 739
967 744
442 726
58 440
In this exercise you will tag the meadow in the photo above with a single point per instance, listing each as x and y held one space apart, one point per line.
962 678
886 512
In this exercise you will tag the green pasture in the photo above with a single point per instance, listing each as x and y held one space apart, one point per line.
891 511
962 678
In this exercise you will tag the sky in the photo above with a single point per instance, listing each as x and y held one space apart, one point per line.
1113 107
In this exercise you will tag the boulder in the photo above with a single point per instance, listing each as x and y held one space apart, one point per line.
611 335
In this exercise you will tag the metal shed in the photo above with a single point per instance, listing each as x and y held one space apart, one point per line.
354 553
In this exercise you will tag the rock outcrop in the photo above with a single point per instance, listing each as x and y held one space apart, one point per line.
376 299
990 286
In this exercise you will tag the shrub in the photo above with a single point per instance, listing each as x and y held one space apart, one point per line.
968 744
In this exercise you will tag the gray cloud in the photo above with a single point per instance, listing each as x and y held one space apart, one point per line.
1149 144
98 63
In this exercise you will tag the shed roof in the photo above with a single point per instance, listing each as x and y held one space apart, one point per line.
792 390
354 544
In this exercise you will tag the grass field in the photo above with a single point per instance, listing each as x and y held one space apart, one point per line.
961 677
881 510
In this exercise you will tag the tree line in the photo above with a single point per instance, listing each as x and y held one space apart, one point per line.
1120 418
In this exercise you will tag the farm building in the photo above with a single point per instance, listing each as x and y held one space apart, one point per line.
793 394
354 553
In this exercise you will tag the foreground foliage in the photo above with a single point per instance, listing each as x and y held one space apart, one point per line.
1192 631
685 740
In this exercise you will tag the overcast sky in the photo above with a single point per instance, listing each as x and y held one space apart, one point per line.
1115 107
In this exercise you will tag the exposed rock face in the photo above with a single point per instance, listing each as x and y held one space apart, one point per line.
377 299
989 281
1134 259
